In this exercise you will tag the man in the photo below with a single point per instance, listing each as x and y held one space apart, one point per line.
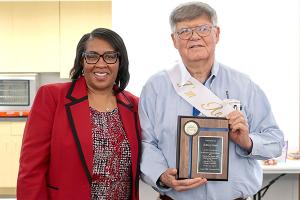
254 134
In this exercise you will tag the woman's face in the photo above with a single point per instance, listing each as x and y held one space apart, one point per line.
100 65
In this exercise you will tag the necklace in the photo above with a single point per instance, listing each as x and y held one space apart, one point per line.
110 106
102 104
107 109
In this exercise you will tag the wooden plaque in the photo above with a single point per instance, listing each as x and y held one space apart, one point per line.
202 148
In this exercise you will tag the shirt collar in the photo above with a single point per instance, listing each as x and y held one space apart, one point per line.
185 75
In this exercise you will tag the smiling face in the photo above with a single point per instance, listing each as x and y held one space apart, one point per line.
100 77
196 48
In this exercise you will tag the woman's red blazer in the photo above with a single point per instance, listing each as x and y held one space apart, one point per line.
57 153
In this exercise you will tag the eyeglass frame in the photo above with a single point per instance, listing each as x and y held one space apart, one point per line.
193 29
101 55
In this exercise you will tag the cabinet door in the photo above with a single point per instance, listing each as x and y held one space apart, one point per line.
29 36
6 36
10 145
76 19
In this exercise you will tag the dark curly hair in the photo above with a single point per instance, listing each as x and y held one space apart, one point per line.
116 42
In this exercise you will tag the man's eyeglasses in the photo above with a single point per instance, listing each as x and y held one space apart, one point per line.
202 31
110 57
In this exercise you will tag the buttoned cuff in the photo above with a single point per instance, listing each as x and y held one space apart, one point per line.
256 144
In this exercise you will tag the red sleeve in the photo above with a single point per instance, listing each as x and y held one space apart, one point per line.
35 151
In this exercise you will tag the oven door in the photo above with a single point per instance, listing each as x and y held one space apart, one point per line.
17 93
14 93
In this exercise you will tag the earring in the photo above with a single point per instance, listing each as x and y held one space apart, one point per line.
82 72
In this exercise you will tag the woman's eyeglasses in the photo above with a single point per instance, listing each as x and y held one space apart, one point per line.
110 57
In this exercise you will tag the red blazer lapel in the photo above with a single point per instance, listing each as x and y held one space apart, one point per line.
129 117
80 122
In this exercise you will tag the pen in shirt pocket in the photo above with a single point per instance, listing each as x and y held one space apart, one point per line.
236 104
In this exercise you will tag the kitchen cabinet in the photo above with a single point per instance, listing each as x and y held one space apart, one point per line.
42 36
6 47
76 19
29 36
10 145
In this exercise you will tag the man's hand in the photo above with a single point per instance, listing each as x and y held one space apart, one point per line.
239 130
169 179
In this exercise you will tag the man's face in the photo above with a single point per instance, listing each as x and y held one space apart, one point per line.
198 44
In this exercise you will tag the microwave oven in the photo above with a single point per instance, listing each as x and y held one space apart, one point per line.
17 91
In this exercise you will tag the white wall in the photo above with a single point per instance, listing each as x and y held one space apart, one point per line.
258 37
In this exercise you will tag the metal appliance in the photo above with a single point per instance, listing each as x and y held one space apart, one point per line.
17 92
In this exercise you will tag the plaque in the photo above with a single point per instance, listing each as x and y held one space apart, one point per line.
202 148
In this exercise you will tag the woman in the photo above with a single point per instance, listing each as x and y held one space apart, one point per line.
82 139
